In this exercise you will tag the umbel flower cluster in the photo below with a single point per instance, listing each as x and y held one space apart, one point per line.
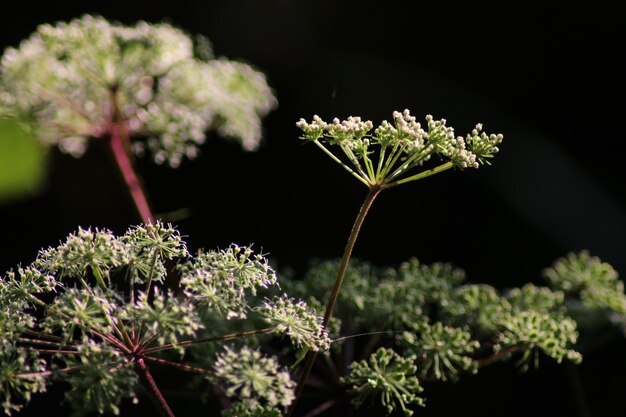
385 157
424 323
78 80
94 310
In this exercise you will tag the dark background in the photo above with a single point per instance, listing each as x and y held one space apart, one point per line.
549 78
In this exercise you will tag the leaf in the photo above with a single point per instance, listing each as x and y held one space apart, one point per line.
22 161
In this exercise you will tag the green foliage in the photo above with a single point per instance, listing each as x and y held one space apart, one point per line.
387 377
22 161
67 78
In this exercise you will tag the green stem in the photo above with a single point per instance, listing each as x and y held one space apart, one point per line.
355 161
334 158
414 159
421 175
151 273
370 168
347 253
381 159
391 161
332 301
97 273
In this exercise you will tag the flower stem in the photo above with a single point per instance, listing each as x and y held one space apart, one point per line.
496 357
119 143
181 366
356 228
230 336
332 301
153 390
421 175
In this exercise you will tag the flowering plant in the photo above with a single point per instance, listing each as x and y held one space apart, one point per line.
99 310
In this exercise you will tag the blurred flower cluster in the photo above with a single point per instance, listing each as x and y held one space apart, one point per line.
70 81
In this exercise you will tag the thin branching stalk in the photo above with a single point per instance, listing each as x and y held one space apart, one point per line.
496 357
422 175
231 336
332 301
177 365
321 408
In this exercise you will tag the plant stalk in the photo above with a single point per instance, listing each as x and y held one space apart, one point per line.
341 273
119 143
153 390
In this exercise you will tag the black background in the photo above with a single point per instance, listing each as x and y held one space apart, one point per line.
549 78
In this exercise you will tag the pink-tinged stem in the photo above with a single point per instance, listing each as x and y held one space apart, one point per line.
180 366
153 390
133 182
119 141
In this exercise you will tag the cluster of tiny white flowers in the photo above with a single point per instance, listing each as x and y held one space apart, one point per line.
313 130
352 127
166 316
76 308
295 319
445 143
406 135
409 129
253 379
222 280
482 144
63 76
83 250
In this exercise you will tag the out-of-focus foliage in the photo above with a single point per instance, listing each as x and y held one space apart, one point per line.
22 160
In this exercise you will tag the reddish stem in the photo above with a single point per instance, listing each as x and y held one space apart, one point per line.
122 157
177 365
153 390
